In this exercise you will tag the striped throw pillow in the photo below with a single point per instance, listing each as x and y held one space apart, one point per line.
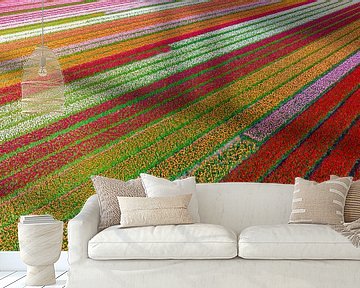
145 211
320 203
352 203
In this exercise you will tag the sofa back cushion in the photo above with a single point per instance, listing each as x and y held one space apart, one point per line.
239 205
161 187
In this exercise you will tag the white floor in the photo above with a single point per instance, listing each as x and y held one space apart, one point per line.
16 279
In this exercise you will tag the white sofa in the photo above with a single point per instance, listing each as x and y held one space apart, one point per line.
278 254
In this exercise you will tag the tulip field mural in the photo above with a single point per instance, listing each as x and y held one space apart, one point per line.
250 90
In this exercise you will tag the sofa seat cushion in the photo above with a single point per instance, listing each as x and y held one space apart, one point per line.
191 241
295 241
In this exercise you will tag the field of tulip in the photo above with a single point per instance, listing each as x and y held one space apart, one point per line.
254 90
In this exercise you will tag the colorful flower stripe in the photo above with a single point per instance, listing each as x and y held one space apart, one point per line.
11 78
215 167
179 162
210 24
275 120
115 9
47 185
86 66
12 93
305 156
269 154
129 165
9 6
62 208
97 20
248 46
70 11
90 44
341 159
95 43
38 25
97 53
122 24
169 79
244 82
235 63
209 7
35 155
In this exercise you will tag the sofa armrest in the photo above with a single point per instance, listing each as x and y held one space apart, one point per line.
82 228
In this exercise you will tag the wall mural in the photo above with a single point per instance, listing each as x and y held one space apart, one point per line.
254 90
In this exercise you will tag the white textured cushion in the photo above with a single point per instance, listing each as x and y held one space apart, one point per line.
145 211
295 241
160 187
319 203
107 190
192 241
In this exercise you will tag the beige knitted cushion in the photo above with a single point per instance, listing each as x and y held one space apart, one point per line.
352 203
138 211
107 190
321 203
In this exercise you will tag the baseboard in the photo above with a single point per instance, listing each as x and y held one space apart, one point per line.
10 260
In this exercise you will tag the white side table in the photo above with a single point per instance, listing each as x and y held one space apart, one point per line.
40 247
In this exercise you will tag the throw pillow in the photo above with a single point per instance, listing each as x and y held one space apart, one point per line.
107 190
139 211
352 203
320 203
160 187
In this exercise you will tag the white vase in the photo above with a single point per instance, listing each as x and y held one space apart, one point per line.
40 247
